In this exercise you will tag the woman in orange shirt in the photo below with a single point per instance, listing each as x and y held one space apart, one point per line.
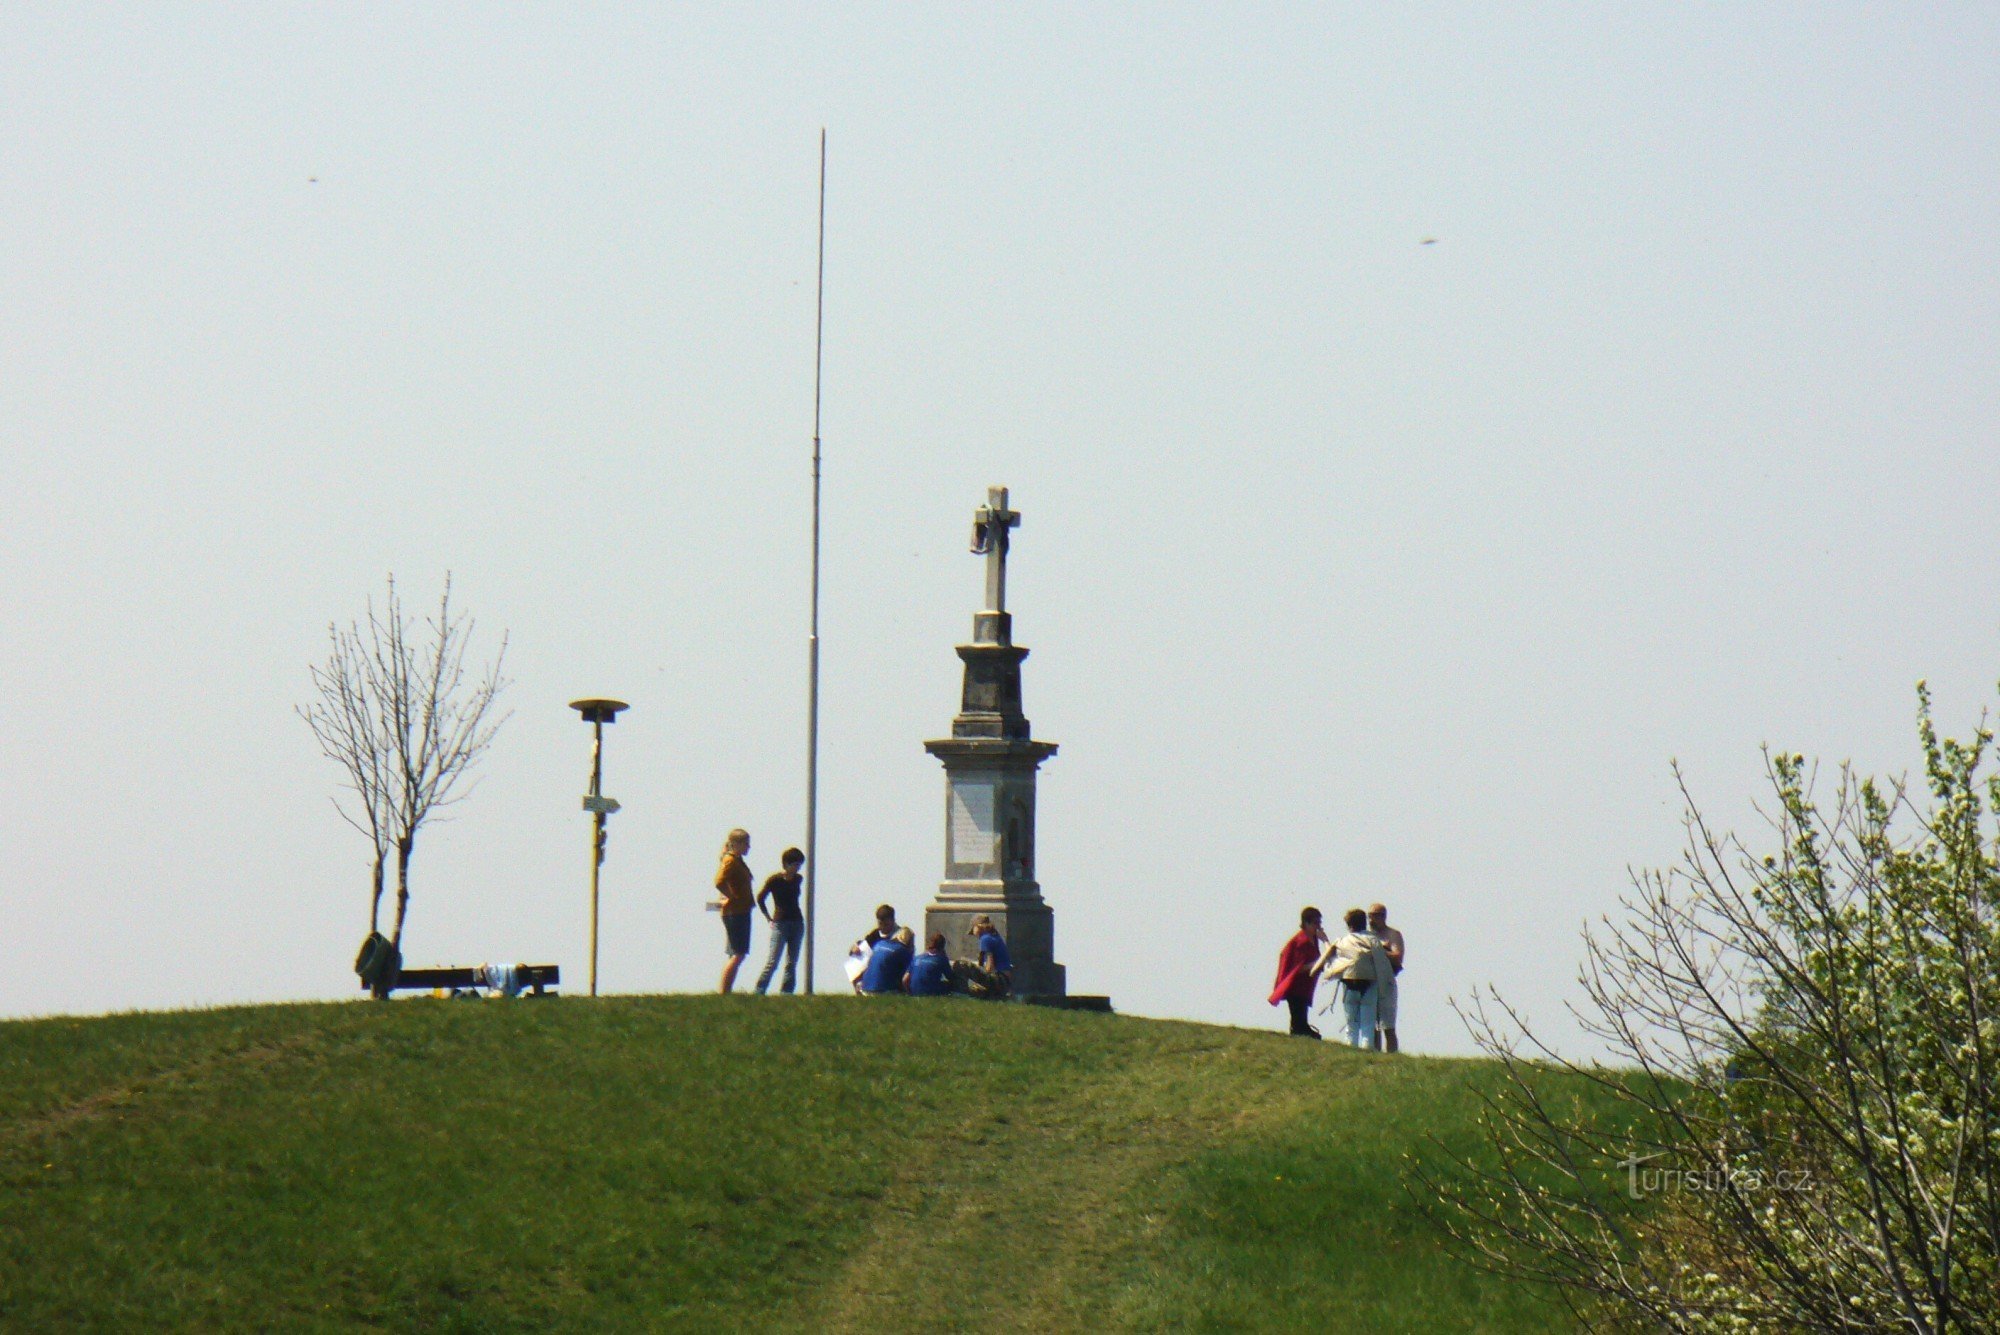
733 879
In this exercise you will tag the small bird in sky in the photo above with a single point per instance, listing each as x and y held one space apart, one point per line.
1428 241
312 180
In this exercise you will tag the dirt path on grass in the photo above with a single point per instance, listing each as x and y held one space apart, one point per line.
1038 1216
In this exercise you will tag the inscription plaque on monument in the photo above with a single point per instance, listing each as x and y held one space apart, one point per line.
972 829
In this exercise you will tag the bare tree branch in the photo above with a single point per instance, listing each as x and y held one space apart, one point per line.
1805 1112
407 723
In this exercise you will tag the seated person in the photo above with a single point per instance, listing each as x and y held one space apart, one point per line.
993 975
888 960
930 972
885 925
857 957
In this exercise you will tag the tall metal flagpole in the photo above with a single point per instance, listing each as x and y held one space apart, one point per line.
812 640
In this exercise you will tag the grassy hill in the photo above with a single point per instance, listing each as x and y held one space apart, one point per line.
718 1163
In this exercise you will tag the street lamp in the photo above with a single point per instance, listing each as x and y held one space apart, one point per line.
597 713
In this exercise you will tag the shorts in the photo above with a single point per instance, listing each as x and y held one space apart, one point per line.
1385 1005
738 927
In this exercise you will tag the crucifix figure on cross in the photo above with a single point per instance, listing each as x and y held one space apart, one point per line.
990 525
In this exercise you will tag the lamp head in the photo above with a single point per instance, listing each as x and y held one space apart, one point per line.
598 711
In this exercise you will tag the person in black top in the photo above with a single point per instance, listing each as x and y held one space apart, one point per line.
858 956
788 924
885 925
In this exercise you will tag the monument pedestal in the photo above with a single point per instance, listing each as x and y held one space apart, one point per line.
989 836
990 856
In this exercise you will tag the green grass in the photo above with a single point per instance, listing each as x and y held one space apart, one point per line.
709 1163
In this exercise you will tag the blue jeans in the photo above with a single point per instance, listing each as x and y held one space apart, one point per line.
1358 1009
786 936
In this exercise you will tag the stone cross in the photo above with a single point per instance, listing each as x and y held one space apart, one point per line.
989 539
990 761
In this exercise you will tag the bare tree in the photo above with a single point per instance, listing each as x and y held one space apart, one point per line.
1803 1128
344 720
406 720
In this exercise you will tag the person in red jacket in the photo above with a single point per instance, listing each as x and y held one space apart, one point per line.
1298 971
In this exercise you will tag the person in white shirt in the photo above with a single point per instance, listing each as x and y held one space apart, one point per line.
1385 1002
1358 962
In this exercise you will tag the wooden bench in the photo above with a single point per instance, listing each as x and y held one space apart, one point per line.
532 977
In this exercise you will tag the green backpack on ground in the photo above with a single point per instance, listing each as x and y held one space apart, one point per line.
378 963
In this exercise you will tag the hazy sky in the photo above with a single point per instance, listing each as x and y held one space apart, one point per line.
1354 567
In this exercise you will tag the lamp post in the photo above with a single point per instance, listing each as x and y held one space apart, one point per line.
597 713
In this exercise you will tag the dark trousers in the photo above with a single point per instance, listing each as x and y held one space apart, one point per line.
978 982
1301 1008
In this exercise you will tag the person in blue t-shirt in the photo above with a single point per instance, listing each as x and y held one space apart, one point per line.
930 973
993 956
888 961
993 975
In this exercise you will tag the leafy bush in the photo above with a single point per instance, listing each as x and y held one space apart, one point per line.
1806 1048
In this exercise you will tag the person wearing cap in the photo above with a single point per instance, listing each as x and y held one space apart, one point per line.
992 977
1385 1000
930 973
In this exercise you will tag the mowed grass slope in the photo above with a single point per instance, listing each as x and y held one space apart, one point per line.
719 1163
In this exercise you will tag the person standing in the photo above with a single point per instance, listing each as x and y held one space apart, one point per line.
1358 961
733 880
778 901
1298 972
1385 1004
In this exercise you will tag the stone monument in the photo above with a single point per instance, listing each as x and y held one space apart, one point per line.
989 770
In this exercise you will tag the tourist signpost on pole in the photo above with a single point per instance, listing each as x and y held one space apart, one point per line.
597 713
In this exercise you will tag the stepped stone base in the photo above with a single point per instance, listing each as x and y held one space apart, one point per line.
1070 1003
1025 924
